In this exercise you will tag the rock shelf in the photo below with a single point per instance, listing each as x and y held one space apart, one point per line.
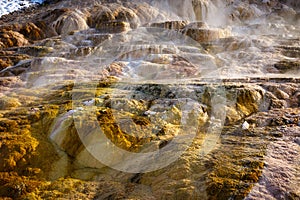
87 88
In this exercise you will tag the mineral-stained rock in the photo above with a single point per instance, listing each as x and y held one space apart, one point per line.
286 66
100 14
68 22
206 35
34 51
16 147
290 51
98 38
9 82
8 102
42 130
84 190
281 156
12 38
286 12
246 101
85 39
17 69
64 134
245 11
4 64
144 16
113 27
13 186
231 170
46 29
32 32
10 58
278 93
112 15
177 25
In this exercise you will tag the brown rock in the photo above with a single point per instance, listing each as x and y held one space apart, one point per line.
244 11
68 22
10 58
40 27
278 92
12 38
248 100
170 24
143 14
17 69
35 51
100 14
46 29
285 66
206 35
52 15
8 102
65 135
113 27
4 64
290 51
14 148
112 14
2 45
286 12
32 32
98 38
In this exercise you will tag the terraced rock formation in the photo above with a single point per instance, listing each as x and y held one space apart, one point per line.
145 100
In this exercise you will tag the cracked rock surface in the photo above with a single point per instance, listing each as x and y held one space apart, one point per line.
89 87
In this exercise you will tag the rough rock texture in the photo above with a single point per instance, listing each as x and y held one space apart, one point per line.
10 58
31 31
74 71
68 22
12 38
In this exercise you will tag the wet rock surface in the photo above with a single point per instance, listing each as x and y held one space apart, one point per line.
227 96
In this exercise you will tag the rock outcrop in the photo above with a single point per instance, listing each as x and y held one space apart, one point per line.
11 39
69 22
89 89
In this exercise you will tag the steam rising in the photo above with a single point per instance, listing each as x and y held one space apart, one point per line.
263 35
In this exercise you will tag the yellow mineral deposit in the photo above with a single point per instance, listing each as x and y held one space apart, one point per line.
155 99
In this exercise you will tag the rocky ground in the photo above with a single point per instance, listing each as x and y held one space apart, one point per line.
89 81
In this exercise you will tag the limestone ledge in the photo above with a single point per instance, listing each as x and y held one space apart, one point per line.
231 169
